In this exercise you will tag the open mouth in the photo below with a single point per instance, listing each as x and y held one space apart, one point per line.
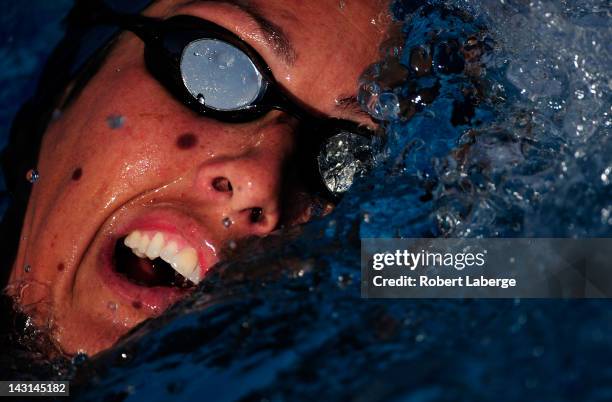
156 259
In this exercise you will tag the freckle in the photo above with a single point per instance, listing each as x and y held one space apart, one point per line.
137 304
61 266
186 141
76 175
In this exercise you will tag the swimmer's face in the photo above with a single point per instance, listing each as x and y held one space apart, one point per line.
128 160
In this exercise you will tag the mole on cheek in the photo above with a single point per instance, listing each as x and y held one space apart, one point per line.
61 267
186 141
76 175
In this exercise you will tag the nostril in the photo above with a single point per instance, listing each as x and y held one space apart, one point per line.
256 215
222 185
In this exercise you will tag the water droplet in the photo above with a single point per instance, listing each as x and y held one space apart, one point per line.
366 217
80 358
27 268
201 99
32 176
368 96
227 222
389 106
115 121
56 114
344 280
112 306
605 176
342 4
606 215
225 60
232 245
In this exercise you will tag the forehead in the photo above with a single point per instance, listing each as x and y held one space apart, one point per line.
316 49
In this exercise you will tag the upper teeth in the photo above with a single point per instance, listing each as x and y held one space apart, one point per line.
156 244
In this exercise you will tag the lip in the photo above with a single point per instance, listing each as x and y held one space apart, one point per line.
166 219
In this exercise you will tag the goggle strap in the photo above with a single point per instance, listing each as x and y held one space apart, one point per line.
144 27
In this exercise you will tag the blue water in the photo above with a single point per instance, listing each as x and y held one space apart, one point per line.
520 146
27 36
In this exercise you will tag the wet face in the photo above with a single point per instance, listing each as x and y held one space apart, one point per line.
127 163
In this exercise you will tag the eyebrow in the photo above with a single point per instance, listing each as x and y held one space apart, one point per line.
273 34
351 104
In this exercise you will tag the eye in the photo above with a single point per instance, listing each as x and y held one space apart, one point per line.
219 75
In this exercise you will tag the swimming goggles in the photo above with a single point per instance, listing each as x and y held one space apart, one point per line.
218 75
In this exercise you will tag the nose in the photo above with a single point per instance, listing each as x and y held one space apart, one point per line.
244 191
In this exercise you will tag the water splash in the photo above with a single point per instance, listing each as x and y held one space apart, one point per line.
495 128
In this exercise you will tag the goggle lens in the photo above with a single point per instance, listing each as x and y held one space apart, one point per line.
220 76
343 158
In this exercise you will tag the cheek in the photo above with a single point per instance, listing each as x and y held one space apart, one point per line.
119 129
102 145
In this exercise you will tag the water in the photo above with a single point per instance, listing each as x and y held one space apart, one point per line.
23 50
527 146
509 135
